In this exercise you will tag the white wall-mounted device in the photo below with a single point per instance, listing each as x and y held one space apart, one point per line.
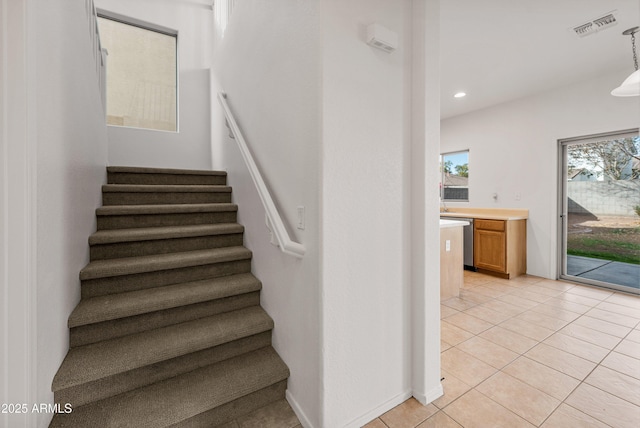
382 38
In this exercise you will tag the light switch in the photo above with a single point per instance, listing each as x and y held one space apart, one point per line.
447 245
301 220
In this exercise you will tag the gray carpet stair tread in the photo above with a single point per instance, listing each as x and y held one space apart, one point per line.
141 170
168 232
114 306
99 360
182 339
157 262
164 209
155 188
278 414
173 400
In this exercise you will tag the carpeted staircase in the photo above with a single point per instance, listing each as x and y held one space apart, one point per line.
169 331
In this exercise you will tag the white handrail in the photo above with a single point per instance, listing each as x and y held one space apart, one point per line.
274 220
99 54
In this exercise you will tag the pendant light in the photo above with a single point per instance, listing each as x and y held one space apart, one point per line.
631 85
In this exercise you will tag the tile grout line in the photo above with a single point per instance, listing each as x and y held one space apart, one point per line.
473 388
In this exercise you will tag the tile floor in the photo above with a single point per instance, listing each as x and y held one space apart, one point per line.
531 352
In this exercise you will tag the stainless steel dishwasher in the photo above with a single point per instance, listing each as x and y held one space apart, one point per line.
467 244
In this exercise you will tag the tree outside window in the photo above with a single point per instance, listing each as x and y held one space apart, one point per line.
455 176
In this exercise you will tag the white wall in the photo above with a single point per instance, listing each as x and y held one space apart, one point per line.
58 161
190 147
514 148
366 308
329 120
71 160
269 64
424 212
18 333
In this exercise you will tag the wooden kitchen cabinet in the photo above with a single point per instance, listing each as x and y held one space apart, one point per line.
500 247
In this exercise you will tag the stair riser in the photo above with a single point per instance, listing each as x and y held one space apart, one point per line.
153 198
97 332
108 222
163 246
237 408
99 390
164 179
140 281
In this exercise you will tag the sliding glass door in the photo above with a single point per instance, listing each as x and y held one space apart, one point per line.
599 204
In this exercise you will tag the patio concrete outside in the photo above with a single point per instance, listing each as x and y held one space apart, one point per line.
619 273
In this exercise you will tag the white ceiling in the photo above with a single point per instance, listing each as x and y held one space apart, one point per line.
501 50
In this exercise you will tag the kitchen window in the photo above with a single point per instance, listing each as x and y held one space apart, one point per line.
454 182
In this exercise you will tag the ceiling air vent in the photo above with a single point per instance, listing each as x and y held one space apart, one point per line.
605 21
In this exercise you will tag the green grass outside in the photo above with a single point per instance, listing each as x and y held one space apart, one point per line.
605 249
605 256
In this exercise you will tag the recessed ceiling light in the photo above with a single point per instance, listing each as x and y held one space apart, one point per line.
460 95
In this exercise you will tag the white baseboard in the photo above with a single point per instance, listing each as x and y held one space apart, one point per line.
379 410
302 417
429 396
425 399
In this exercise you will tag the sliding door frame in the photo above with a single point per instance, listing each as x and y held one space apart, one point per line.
563 208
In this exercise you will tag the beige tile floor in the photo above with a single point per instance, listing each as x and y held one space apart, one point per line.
531 352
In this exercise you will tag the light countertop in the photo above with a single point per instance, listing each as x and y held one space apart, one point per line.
487 213
452 223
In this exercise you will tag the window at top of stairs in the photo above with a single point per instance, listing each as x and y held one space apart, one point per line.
141 75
